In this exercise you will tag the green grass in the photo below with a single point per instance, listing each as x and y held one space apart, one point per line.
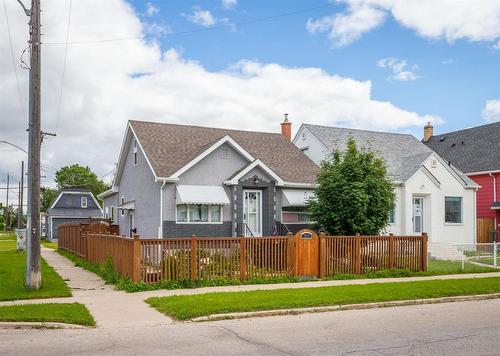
52 245
7 236
12 269
191 306
73 313
436 267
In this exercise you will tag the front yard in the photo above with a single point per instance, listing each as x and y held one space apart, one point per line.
69 313
191 306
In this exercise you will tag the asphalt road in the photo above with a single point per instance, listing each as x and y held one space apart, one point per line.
465 328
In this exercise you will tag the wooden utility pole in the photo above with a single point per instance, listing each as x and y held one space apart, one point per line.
33 271
20 216
6 210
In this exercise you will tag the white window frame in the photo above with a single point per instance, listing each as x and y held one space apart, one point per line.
296 222
83 203
106 212
112 213
201 222
135 153
393 213
122 201
461 211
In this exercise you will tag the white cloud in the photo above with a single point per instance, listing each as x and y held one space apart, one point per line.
451 20
108 83
447 61
399 68
346 28
202 17
491 111
151 9
229 4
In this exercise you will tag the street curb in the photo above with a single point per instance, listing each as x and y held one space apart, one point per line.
40 325
339 307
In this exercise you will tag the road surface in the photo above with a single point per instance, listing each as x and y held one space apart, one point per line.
465 328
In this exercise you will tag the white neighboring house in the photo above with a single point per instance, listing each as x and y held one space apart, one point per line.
431 195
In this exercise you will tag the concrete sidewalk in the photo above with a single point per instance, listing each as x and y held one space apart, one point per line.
112 308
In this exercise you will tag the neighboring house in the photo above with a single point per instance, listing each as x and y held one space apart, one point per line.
431 196
476 152
177 180
71 205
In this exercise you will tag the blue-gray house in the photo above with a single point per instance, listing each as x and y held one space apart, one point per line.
179 180
71 205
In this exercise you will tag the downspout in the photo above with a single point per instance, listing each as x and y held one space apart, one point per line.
494 196
160 228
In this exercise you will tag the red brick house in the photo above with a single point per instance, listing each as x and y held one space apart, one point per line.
476 152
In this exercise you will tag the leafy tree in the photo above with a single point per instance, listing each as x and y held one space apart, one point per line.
78 176
48 196
354 193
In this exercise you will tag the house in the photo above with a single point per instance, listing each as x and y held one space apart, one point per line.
179 180
71 205
476 152
431 195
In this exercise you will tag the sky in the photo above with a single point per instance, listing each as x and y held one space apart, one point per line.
373 64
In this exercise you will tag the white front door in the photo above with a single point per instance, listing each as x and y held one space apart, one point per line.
252 211
418 215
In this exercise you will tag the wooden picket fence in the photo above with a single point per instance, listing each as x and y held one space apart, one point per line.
208 258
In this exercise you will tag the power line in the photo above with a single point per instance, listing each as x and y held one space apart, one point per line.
172 34
64 68
13 60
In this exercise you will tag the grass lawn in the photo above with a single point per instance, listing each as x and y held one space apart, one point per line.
191 306
4 236
12 268
73 313
52 245
451 267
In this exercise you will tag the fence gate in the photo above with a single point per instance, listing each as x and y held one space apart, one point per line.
306 253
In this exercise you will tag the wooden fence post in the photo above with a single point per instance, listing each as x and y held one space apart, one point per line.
194 258
136 261
243 258
291 255
425 239
357 254
392 252
322 255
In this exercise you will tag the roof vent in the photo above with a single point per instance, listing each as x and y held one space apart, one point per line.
442 138
453 144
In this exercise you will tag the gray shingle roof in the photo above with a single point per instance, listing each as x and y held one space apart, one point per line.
403 153
169 147
471 150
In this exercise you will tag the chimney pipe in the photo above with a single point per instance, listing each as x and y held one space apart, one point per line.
286 128
428 132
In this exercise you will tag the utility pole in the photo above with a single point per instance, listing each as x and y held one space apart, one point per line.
20 216
33 272
6 210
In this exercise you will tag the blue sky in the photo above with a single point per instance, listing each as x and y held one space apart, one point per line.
454 78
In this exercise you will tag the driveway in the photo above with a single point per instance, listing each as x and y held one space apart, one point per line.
465 328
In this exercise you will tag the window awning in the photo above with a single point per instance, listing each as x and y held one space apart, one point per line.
127 206
296 197
201 194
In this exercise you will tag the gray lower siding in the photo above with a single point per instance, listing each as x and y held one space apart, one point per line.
54 234
172 229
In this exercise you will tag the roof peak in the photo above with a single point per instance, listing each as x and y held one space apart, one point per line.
360 130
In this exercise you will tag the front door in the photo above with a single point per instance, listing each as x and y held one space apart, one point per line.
252 212
131 223
418 215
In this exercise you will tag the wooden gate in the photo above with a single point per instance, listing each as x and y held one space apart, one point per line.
484 229
306 253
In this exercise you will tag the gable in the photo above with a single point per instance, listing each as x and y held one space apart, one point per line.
72 200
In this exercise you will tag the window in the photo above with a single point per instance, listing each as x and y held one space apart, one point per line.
304 136
83 202
112 213
453 210
392 216
292 215
208 214
106 213
122 202
135 152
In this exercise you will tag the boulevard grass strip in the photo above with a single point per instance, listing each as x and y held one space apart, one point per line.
191 306
69 313
12 269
